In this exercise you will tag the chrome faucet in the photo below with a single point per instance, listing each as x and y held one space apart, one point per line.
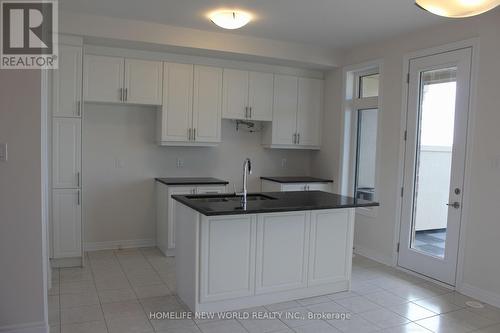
247 170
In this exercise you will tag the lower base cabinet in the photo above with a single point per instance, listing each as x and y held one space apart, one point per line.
251 260
166 211
66 223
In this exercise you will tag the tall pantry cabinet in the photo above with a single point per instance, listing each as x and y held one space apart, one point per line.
66 150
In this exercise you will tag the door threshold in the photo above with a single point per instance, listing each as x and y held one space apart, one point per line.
426 278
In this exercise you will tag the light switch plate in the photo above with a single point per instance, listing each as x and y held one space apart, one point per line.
3 152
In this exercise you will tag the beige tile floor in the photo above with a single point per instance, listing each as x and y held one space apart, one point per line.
116 290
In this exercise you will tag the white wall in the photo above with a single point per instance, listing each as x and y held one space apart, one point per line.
118 202
376 235
22 282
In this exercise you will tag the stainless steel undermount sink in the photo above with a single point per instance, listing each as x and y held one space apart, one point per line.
229 197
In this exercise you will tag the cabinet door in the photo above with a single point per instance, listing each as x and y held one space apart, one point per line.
331 233
207 103
282 251
285 109
235 94
227 274
260 96
216 189
293 187
66 152
68 82
103 79
325 187
310 112
180 190
177 109
143 81
66 223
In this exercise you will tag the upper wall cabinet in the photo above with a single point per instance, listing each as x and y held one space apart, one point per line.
192 105
68 82
247 95
297 113
103 79
310 112
119 80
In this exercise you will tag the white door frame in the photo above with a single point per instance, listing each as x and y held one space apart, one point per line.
473 43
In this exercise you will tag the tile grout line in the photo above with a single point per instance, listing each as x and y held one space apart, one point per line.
95 284
133 290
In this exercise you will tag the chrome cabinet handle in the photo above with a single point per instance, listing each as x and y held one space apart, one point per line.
121 94
126 94
246 112
189 134
298 138
455 204
194 134
78 198
294 139
250 111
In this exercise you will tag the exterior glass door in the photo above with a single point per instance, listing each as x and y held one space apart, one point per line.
438 104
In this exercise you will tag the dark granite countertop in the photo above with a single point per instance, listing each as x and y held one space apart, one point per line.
300 179
281 202
191 181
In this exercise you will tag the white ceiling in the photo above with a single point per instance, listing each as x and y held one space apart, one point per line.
326 23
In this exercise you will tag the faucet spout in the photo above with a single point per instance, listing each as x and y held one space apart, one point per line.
247 170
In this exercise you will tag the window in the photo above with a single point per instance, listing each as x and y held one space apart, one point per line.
361 106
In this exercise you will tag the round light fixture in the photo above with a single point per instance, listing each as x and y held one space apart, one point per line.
230 19
457 8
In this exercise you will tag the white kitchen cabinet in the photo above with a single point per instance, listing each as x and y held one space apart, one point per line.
66 223
310 112
331 232
284 123
297 113
271 186
67 82
207 104
282 251
235 94
103 79
192 105
227 274
143 82
66 152
177 110
120 80
166 214
228 262
247 95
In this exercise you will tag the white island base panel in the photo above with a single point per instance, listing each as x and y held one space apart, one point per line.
231 262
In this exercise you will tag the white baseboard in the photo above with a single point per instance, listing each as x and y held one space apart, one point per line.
480 294
373 255
36 327
119 244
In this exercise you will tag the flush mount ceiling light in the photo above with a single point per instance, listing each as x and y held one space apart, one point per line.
230 19
457 8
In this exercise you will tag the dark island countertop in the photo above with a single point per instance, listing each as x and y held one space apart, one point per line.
210 205
299 179
191 181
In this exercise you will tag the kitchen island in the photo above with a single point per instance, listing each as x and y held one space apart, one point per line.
280 246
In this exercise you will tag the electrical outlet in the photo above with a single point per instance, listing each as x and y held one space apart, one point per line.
180 162
3 152
118 163
283 163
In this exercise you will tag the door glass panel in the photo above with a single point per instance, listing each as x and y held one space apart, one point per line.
433 160
366 151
